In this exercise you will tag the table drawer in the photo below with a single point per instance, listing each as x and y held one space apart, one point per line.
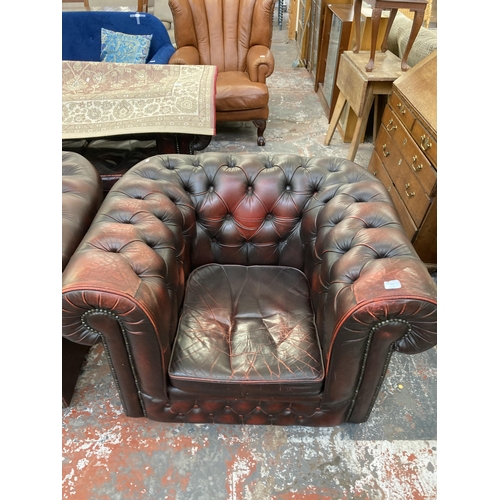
376 167
417 160
402 111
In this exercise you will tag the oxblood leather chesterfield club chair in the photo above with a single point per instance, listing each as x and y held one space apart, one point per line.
235 36
249 288
81 197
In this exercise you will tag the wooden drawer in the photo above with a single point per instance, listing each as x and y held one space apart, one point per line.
417 160
377 168
402 111
390 122
408 186
426 141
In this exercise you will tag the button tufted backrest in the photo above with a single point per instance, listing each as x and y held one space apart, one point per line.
268 209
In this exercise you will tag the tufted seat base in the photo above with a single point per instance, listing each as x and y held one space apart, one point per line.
248 331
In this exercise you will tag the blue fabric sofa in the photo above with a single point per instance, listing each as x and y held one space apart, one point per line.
81 34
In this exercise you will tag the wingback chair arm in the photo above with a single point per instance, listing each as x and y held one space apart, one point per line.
185 55
260 63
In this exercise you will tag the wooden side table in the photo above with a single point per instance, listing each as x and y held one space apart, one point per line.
359 88
416 6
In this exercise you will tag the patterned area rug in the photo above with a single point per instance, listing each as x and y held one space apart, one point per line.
107 99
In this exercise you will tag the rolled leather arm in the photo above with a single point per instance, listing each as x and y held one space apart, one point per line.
185 55
373 295
260 63
125 282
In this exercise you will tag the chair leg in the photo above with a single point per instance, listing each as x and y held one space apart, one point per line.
261 126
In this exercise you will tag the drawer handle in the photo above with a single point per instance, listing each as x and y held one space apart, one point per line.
384 152
375 173
418 167
389 128
425 144
411 194
401 109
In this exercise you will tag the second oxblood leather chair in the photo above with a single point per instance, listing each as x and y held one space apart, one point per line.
235 36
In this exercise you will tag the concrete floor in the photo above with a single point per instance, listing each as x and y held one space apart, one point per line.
107 456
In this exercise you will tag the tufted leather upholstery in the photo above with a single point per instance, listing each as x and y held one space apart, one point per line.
81 197
249 288
235 36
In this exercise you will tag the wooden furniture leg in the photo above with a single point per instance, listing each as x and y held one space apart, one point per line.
339 107
357 27
390 22
376 16
199 143
417 23
361 125
261 126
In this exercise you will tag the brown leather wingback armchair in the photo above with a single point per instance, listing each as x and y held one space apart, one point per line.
82 195
249 288
236 37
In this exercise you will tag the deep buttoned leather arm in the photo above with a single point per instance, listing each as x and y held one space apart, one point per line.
185 55
372 294
260 63
125 283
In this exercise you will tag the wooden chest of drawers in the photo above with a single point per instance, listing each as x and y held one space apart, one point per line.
405 155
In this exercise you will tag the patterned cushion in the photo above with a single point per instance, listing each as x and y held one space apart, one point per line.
122 48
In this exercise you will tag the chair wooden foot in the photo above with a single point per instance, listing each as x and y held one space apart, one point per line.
261 126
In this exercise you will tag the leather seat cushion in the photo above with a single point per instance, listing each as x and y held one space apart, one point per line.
247 331
235 92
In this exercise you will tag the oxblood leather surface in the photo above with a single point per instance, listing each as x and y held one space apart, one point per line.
327 217
82 194
235 36
250 328
81 197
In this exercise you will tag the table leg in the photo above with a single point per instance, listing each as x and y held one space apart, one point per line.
357 28
360 126
390 22
415 28
376 16
339 107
